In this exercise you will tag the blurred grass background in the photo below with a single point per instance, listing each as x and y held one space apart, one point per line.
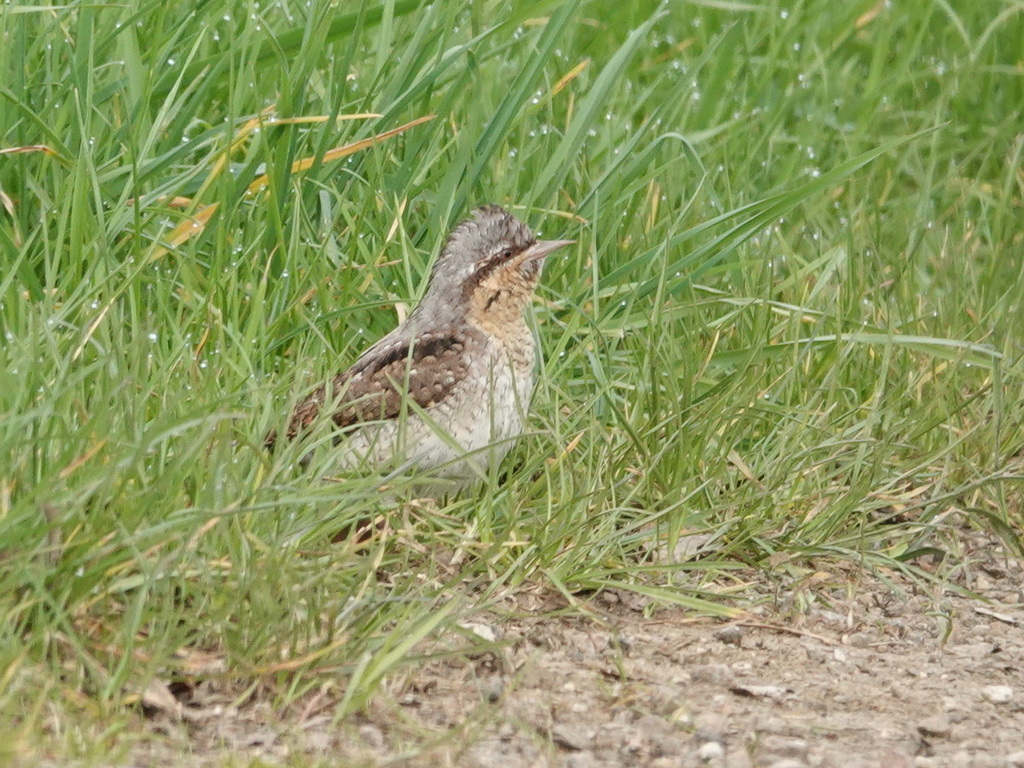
789 331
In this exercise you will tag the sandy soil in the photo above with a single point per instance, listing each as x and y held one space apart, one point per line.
837 669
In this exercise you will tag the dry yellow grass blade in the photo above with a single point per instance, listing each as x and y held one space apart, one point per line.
29 148
265 119
198 220
7 203
193 225
339 152
870 15
569 76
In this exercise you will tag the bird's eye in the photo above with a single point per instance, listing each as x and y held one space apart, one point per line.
507 253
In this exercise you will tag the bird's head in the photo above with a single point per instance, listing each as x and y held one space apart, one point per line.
489 267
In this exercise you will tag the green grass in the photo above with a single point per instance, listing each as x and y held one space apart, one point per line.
791 320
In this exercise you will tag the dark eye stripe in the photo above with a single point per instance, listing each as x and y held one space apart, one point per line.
481 272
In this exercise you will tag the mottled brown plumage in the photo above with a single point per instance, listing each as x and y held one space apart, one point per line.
446 391
375 387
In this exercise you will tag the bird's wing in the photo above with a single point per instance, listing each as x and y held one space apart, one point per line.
425 372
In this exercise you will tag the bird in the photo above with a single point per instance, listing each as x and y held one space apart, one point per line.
446 392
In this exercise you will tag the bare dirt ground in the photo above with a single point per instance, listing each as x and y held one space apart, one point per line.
842 669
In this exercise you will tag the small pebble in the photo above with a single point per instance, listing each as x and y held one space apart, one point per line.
731 635
997 694
936 726
371 736
710 726
710 750
491 688
583 759
783 747
711 673
570 737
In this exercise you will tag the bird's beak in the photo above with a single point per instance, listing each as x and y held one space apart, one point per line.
542 248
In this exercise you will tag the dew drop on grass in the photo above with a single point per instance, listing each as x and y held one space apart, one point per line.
783 14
